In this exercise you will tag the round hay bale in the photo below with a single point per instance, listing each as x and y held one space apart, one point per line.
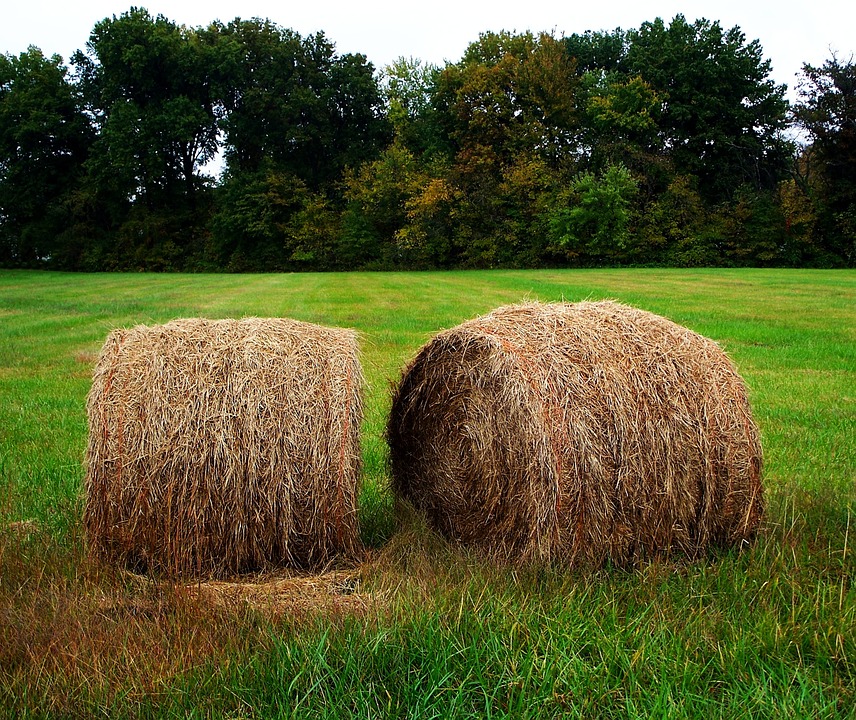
577 433
224 446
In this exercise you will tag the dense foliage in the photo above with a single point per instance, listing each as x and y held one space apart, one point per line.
666 144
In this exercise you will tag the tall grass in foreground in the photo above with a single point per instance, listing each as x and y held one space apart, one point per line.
767 632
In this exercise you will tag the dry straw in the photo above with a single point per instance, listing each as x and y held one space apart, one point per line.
577 433
224 446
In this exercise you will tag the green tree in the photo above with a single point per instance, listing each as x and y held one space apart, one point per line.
293 103
408 91
621 121
524 199
430 238
826 112
270 221
723 117
44 141
297 116
754 229
591 219
511 94
151 89
377 195
507 108
799 212
675 227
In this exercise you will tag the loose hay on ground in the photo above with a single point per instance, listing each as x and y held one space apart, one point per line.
577 433
337 592
224 446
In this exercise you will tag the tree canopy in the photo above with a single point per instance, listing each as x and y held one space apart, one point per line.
246 146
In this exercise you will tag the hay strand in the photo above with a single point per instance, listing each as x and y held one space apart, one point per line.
577 433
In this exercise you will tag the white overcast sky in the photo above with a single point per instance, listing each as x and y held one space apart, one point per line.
790 32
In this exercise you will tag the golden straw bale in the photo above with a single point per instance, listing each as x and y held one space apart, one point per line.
223 446
577 433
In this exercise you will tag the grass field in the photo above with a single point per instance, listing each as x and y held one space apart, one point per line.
422 629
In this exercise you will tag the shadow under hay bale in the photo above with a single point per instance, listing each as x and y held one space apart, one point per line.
224 446
577 433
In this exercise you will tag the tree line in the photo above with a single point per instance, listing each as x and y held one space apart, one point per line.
668 144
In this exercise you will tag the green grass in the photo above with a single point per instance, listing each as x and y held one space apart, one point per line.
769 632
